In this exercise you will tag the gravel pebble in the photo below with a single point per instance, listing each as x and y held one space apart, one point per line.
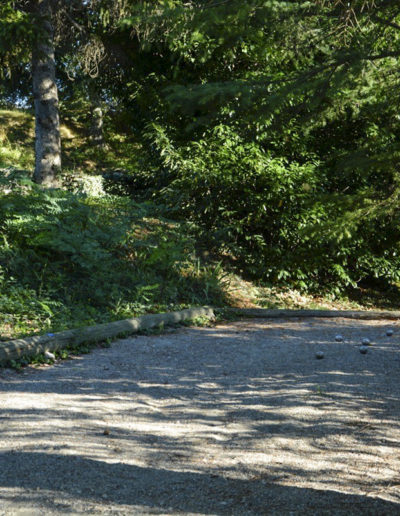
234 419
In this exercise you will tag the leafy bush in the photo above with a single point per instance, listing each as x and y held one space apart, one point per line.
70 259
278 220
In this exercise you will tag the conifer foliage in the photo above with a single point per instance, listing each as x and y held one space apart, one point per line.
272 126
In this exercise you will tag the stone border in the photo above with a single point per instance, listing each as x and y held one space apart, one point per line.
281 313
30 346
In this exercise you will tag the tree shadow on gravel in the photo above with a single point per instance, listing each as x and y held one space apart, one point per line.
160 490
240 392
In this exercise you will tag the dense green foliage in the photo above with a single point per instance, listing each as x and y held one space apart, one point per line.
281 220
275 129
68 259
270 129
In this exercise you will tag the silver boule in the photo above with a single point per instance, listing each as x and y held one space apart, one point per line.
339 338
389 333
365 341
319 354
363 349
49 355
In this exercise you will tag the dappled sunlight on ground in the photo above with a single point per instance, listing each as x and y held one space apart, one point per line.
237 419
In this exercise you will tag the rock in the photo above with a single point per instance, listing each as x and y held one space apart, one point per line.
319 354
339 338
389 333
363 350
365 342
49 355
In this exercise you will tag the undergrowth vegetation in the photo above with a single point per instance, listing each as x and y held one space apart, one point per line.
278 220
97 250
70 259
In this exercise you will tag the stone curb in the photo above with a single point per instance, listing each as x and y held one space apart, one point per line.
30 346
346 314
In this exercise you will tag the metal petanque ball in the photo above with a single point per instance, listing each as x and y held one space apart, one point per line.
49 355
339 338
363 350
389 333
319 355
365 342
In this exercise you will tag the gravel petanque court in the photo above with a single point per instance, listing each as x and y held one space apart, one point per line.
241 418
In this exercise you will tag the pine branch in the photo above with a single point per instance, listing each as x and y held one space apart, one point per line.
387 23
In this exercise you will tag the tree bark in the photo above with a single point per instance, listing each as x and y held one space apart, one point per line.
96 130
45 94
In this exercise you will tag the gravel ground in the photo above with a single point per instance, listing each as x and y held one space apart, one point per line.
236 419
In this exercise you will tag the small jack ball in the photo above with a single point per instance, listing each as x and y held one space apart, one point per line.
365 342
319 355
389 333
339 338
363 350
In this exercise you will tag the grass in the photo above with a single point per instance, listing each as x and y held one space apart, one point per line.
245 294
16 136
78 157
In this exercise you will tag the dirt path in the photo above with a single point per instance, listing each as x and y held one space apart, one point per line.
238 419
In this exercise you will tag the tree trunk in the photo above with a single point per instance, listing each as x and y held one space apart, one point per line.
96 130
45 94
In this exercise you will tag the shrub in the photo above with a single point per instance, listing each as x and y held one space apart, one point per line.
276 219
71 259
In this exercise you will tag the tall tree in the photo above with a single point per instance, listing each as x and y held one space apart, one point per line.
30 31
45 94
27 36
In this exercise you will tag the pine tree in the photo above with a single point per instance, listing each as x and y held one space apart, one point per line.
45 94
29 33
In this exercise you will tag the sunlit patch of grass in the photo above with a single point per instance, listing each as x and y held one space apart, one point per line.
78 155
16 126
67 133
15 155
16 139
355 299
